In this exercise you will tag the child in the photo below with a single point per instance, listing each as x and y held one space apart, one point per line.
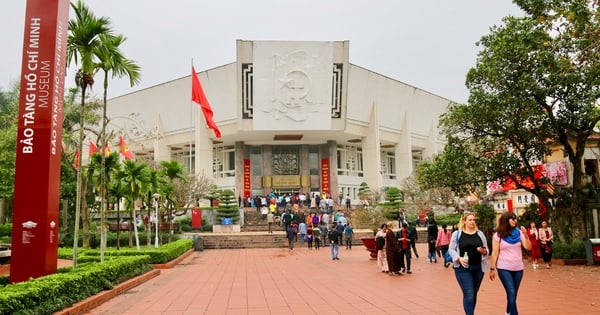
309 236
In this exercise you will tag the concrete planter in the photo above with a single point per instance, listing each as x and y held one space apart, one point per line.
229 228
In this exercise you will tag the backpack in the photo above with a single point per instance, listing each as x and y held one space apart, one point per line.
315 220
379 242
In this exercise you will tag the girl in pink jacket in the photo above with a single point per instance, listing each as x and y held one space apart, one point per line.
443 241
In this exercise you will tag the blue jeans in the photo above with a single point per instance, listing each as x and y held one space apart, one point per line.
335 250
511 281
431 256
469 279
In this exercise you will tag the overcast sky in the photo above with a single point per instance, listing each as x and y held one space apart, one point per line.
427 44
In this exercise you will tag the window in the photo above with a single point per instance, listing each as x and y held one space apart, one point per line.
349 160
313 160
185 158
417 158
223 161
388 164
256 161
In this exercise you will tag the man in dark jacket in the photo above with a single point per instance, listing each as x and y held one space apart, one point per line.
334 242
290 234
413 236
432 230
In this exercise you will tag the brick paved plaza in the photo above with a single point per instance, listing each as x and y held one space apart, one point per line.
272 281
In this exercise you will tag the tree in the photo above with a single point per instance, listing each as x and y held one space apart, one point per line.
190 191
156 186
393 201
536 82
116 191
365 194
82 43
174 172
228 206
101 170
9 105
136 178
111 59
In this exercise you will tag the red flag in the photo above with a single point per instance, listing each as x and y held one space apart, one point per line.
77 159
124 149
199 97
93 148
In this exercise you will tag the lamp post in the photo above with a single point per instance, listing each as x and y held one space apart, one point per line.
156 198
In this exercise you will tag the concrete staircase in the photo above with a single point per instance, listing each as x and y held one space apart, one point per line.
258 239
254 234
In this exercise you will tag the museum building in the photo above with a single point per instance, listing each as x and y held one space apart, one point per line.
294 116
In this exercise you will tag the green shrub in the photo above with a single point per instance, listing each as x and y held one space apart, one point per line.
449 219
6 229
161 255
574 250
55 292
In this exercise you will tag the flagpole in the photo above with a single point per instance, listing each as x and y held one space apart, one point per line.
191 122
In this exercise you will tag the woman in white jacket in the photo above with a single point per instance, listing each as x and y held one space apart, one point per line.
468 250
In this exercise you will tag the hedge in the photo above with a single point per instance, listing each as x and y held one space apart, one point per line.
55 292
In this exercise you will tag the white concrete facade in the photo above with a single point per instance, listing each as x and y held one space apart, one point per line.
283 107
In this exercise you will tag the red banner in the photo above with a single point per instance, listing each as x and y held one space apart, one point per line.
325 185
247 185
39 137
196 218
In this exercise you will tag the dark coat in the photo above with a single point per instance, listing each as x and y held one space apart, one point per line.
392 251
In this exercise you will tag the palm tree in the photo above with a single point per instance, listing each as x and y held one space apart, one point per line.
82 42
116 191
173 171
136 178
110 59
100 170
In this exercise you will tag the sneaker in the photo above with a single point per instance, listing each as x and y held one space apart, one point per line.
408 271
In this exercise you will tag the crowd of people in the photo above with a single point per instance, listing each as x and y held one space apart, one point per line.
275 202
462 246
465 248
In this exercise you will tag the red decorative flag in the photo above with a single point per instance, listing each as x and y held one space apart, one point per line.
93 148
77 159
199 97
124 149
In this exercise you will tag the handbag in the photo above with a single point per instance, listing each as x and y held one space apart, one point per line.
447 257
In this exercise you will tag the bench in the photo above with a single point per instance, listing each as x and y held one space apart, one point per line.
165 226
124 226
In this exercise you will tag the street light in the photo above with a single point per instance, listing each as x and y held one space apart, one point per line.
156 197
